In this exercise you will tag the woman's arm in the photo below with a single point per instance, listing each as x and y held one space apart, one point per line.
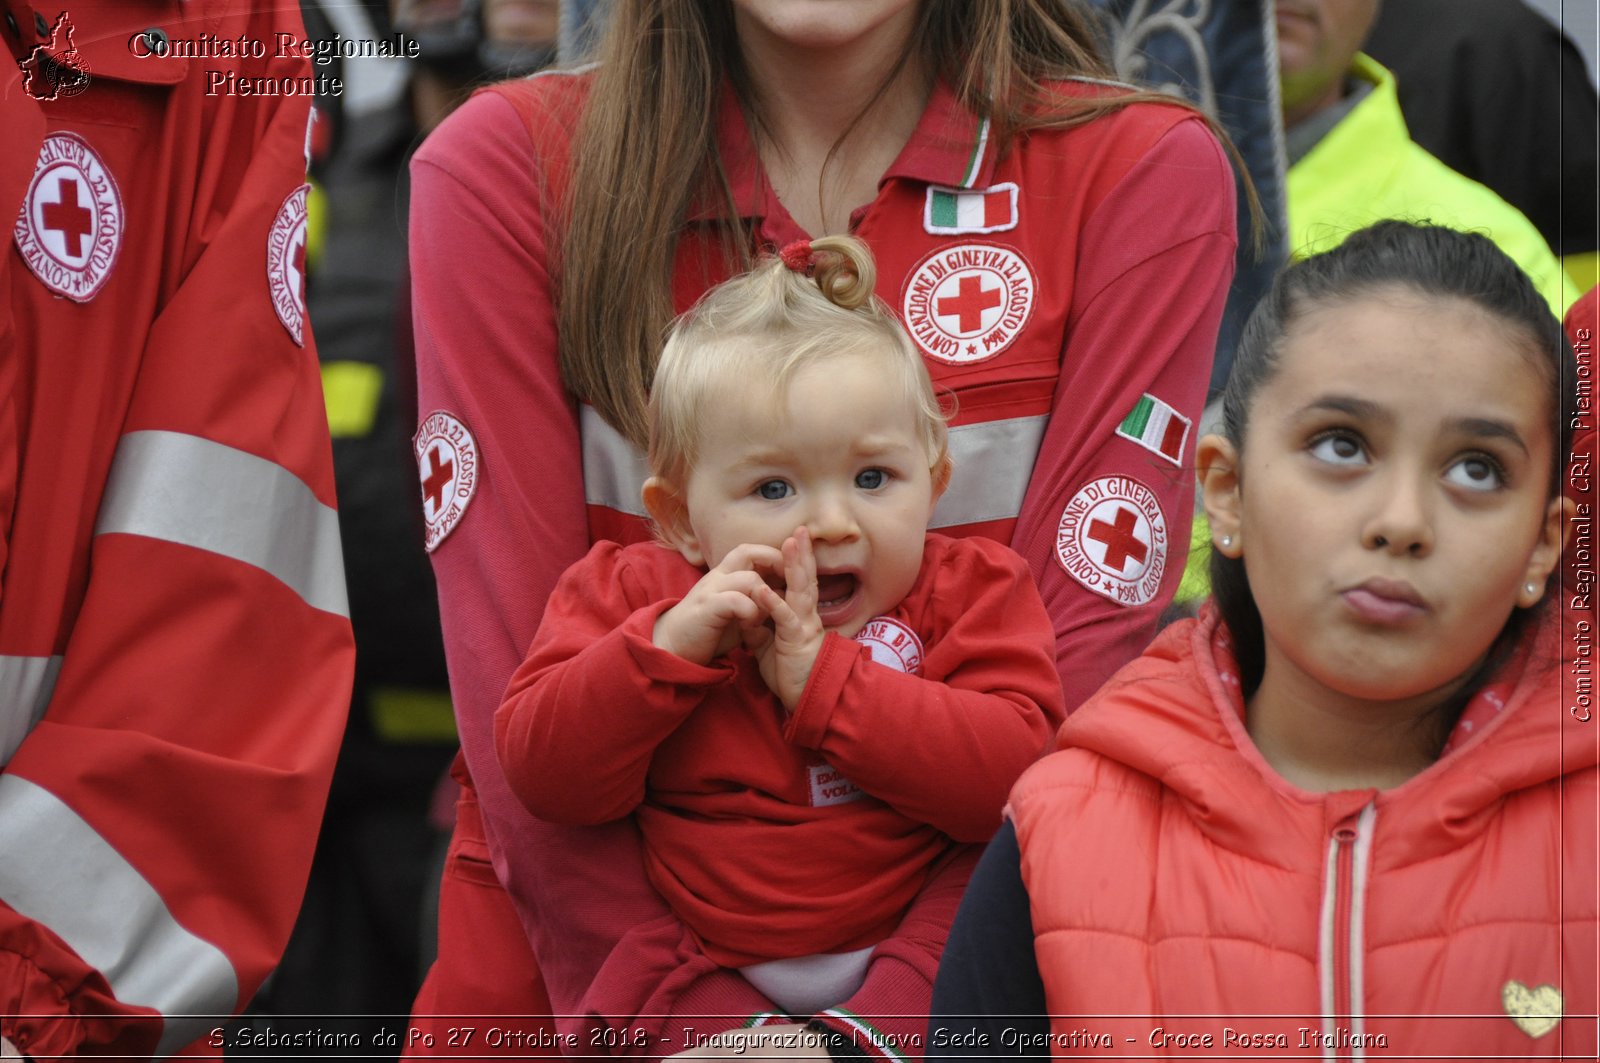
988 999
486 354
1156 259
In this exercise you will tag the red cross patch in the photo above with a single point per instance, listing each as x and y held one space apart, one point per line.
967 303
447 466
1113 539
286 263
69 229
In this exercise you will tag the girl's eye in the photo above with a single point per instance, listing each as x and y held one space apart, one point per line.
871 479
773 490
1337 448
1477 472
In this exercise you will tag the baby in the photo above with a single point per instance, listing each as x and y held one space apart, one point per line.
808 702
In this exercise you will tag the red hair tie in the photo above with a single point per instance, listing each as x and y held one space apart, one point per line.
797 256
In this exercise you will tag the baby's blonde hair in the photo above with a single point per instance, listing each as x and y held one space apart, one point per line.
766 324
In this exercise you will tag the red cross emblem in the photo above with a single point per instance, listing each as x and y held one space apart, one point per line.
69 219
1119 540
1113 539
69 230
447 466
969 303
286 263
297 267
433 485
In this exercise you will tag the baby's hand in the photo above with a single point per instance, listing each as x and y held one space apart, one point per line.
707 623
788 653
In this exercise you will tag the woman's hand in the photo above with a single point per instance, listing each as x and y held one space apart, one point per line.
788 650
708 622
777 1041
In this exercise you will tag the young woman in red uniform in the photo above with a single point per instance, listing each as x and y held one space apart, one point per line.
1058 247
1352 810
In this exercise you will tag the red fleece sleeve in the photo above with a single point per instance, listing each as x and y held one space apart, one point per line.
585 713
1155 263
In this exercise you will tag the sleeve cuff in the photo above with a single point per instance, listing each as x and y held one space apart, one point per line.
809 722
659 665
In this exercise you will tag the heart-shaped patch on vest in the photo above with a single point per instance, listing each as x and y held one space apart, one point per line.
1535 1011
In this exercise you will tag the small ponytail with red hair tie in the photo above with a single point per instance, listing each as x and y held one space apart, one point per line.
798 257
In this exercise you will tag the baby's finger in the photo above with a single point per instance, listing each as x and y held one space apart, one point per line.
738 605
784 618
743 581
800 570
751 557
756 638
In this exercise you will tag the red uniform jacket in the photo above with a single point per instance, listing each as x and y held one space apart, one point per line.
175 656
778 834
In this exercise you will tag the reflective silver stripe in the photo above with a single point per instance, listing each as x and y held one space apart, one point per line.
58 872
614 471
184 489
993 464
26 684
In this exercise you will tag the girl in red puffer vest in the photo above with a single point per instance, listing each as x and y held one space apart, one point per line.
1351 810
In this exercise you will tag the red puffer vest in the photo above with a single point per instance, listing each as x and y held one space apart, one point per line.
1188 900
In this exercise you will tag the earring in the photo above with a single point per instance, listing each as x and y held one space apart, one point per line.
1531 589
1227 541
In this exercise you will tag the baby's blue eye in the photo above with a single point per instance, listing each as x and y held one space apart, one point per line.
1339 449
773 490
871 479
1476 473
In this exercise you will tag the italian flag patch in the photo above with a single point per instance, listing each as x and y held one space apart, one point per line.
971 210
1156 427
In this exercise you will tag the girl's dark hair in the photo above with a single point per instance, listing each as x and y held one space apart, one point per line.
1427 259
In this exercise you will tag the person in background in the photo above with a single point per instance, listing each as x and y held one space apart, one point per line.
1028 221
1498 92
175 648
1352 161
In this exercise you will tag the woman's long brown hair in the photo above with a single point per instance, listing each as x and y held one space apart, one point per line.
645 151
